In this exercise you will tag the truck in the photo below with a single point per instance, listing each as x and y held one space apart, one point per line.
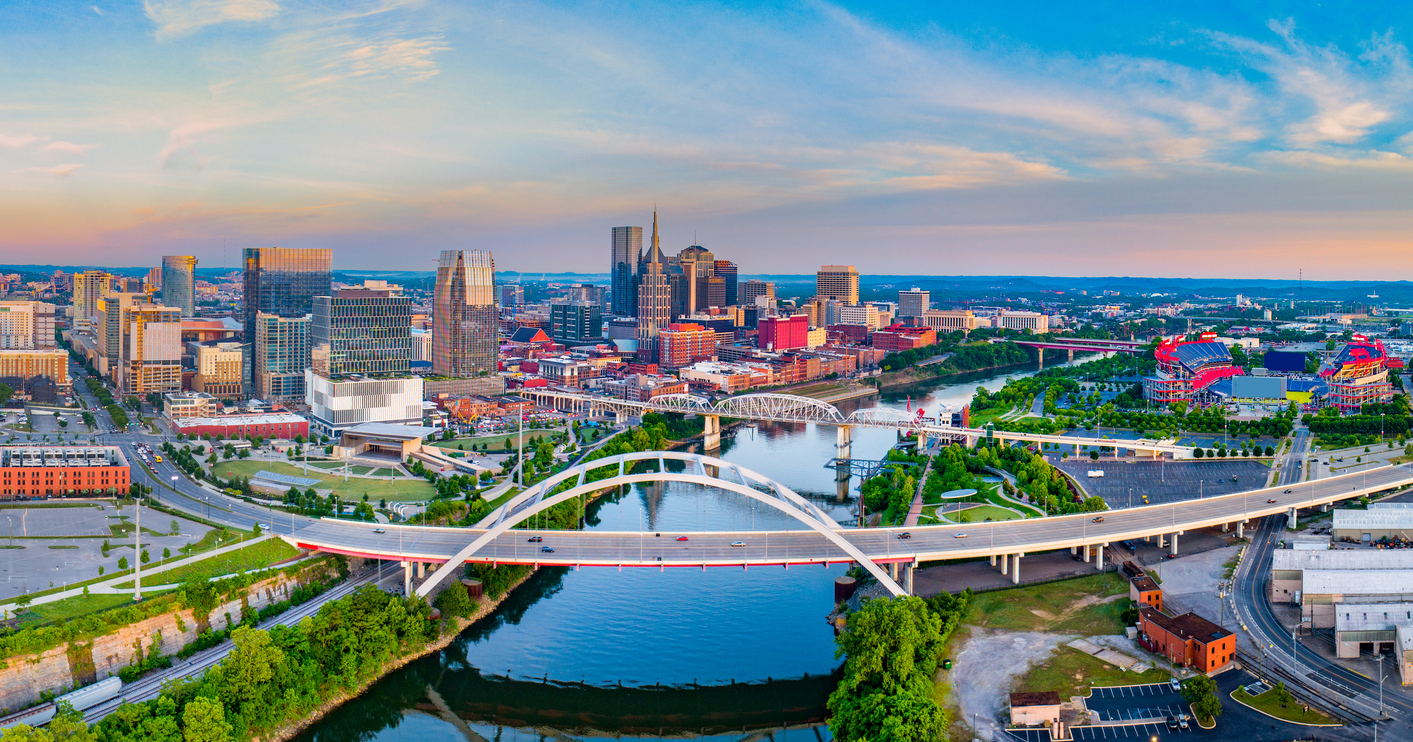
1096 473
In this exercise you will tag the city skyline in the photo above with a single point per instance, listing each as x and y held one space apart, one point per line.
1214 140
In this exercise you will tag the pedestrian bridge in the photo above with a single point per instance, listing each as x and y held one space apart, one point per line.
820 541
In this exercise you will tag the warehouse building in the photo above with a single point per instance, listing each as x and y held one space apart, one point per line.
1326 589
1380 521
1289 566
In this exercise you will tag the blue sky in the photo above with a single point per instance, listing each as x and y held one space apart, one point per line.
1246 140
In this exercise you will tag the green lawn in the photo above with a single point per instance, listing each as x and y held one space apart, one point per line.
400 489
496 442
71 608
1071 672
1292 711
253 556
1066 606
982 513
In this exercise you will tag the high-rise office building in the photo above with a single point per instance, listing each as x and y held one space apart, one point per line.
154 279
913 303
179 283
837 282
361 331
89 288
110 327
698 266
753 288
464 315
218 369
151 350
727 270
26 325
654 300
512 296
280 355
576 323
284 281
626 254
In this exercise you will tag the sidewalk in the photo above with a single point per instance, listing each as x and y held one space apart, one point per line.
107 585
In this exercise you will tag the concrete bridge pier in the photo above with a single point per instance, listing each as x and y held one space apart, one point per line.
1074 550
1099 557
1240 529
908 578
1173 550
1005 564
1071 352
1162 541
993 560
407 578
1015 570
843 442
1086 548
711 439
1226 527
1291 520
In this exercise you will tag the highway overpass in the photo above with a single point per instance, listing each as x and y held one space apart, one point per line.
492 540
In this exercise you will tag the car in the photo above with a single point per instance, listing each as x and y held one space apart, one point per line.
1286 492
738 543
1172 722
1175 683
1182 721
1100 519
905 535
1170 556
380 530
1271 501
547 549
960 535
535 539
681 538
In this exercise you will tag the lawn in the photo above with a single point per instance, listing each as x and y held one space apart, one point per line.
984 513
1067 606
71 608
815 390
253 556
1071 672
1293 710
396 490
496 442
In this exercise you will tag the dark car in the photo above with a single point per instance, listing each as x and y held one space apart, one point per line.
1172 722
1271 501
547 549
1286 492
905 535
535 539
1100 519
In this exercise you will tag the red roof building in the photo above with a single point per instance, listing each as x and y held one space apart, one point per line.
1189 640
899 338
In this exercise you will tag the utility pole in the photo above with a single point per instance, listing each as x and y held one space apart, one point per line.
137 556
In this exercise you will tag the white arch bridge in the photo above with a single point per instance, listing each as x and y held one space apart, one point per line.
822 542
789 408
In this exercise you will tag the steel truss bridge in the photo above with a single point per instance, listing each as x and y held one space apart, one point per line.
788 408
495 539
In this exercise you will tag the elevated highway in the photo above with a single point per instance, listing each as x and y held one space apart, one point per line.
493 540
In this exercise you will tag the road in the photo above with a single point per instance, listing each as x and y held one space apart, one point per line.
150 686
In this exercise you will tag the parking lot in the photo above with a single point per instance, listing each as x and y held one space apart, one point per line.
1127 731
1125 482
1136 702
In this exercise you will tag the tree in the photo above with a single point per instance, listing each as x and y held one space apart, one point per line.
886 692
122 562
256 530
455 601
1196 453
1201 692
166 553
144 557
204 719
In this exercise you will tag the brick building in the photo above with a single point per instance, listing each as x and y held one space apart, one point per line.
44 471
1188 640
682 344
269 425
783 333
901 337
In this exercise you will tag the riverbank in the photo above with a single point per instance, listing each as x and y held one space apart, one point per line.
483 608
914 376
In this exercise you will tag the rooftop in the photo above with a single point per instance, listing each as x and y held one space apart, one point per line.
263 418
1301 559
1372 616
1357 581
391 430
1187 626
1041 698
1380 518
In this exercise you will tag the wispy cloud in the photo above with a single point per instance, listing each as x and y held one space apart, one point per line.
178 17
70 147
17 142
58 171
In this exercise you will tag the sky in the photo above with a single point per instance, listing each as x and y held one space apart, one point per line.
1245 140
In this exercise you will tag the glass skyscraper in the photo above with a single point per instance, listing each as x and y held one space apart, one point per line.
464 315
179 283
284 281
281 354
361 331
627 252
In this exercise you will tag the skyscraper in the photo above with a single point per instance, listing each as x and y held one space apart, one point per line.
576 323
837 282
654 300
89 288
913 303
151 350
284 281
179 283
361 331
753 288
698 265
27 325
464 321
281 354
727 270
626 254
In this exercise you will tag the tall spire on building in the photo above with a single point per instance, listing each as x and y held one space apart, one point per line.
654 252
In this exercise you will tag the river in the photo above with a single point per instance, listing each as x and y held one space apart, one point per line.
599 654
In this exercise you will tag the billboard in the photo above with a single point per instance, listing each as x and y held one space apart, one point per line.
1285 361
1258 387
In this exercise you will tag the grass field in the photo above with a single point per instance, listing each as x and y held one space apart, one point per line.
1291 711
397 490
815 390
1071 672
71 608
1075 606
982 513
253 556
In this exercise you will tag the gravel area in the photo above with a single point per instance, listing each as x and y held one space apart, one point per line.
985 668
1191 582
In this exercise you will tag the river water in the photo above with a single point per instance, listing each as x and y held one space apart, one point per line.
642 654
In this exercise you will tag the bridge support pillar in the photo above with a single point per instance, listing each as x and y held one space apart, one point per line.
1005 564
1074 550
1226 527
1162 541
421 570
1071 351
908 578
1015 570
1240 529
1291 520
407 578
993 560
711 438
1086 548
1173 550
893 571
843 442
922 441
1099 558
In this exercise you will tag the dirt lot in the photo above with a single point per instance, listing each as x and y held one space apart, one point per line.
990 661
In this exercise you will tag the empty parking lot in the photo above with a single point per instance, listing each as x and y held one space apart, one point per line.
1125 482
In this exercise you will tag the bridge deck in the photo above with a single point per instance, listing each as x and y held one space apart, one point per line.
797 547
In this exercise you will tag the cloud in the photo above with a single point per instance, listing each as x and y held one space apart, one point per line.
17 142
178 17
97 10
58 171
62 146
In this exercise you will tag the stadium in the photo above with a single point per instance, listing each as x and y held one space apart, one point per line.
1357 375
1187 369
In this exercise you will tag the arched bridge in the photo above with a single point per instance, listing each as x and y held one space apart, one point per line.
822 542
